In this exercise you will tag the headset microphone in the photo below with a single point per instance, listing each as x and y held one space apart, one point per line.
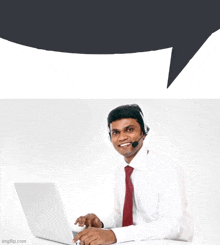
135 144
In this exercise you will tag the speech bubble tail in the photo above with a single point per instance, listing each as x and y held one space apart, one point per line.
181 56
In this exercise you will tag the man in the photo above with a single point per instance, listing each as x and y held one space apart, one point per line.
149 195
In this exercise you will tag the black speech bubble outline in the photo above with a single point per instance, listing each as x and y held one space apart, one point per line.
108 27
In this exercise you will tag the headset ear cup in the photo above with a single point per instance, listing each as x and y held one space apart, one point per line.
147 130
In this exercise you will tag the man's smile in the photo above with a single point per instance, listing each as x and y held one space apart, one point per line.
124 145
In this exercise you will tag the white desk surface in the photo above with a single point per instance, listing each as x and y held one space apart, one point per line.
37 241
23 232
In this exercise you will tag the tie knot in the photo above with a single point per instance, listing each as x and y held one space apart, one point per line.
128 170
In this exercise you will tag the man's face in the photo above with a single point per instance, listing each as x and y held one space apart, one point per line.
123 133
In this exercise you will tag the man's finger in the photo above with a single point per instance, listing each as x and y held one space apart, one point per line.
95 242
82 221
90 240
76 222
79 235
87 238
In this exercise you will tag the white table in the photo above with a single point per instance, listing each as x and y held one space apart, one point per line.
38 241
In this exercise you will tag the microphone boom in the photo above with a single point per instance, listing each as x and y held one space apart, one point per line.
135 143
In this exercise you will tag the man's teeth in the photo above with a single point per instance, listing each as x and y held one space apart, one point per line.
125 144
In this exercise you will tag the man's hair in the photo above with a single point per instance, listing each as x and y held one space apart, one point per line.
128 111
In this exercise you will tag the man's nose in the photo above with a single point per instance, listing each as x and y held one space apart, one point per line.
122 136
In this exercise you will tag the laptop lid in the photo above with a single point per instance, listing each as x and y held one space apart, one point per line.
44 211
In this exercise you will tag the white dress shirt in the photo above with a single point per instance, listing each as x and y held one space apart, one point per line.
159 203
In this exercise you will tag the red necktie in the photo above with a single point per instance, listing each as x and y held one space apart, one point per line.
127 212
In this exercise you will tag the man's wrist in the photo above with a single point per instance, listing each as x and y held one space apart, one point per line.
102 225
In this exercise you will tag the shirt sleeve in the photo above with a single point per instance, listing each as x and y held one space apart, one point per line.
173 222
115 219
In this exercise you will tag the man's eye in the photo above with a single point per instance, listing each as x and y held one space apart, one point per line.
114 133
129 129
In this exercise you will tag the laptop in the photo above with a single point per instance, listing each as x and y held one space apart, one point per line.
44 212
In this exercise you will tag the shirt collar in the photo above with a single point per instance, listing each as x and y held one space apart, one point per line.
141 160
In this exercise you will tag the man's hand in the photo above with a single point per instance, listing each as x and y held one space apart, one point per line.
95 236
90 220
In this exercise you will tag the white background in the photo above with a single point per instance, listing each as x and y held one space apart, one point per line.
66 142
